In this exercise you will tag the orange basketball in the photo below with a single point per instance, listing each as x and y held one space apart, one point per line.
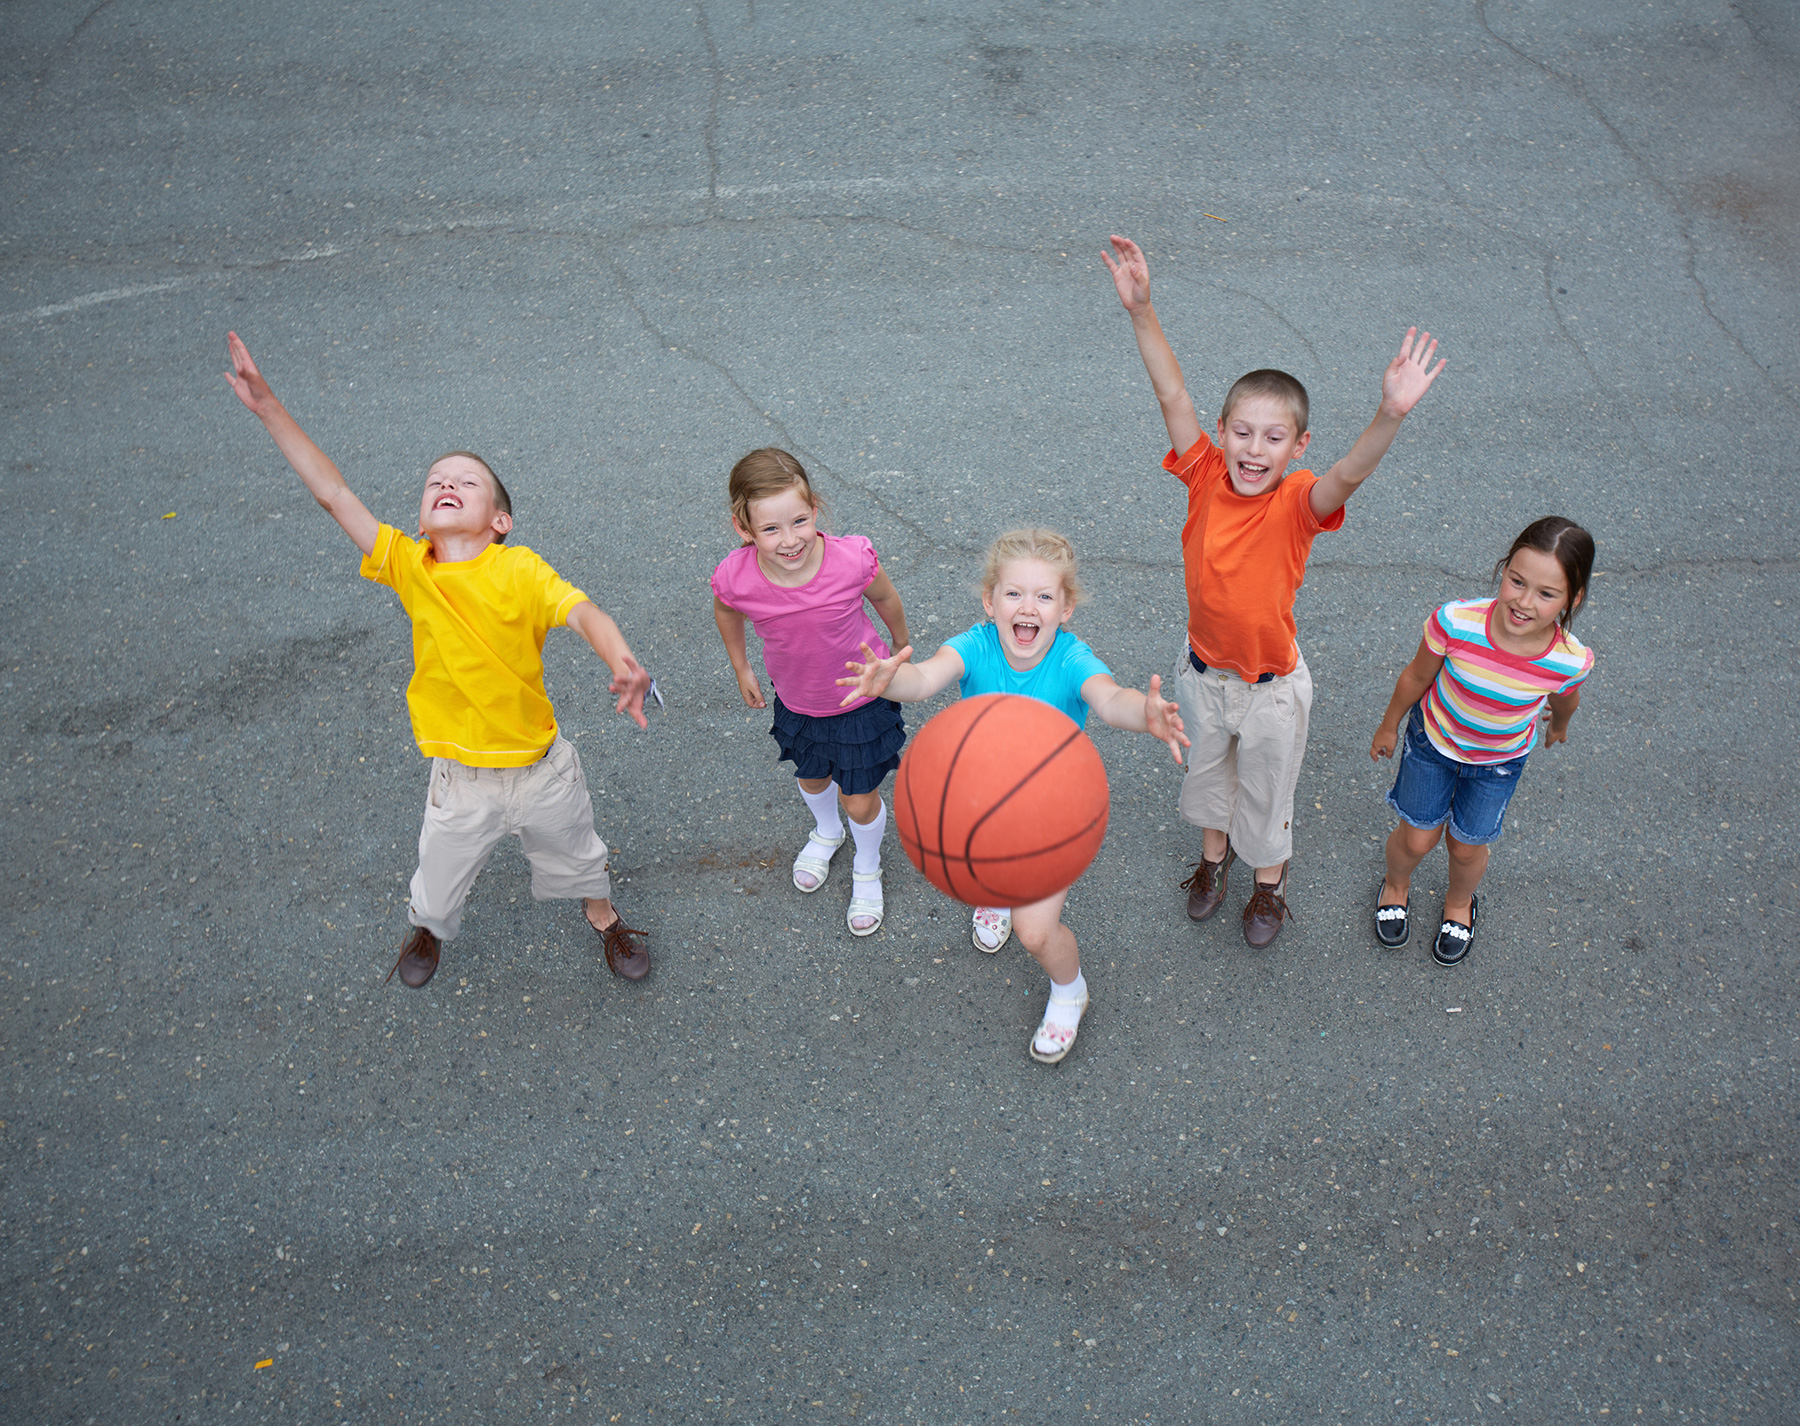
1001 800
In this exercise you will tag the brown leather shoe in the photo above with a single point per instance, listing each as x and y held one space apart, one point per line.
625 956
418 959
1206 887
1265 911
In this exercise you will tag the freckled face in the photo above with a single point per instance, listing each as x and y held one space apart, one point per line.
1258 441
1028 604
785 530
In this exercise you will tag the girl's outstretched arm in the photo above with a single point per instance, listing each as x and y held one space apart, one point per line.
1409 688
731 630
899 678
1137 712
886 599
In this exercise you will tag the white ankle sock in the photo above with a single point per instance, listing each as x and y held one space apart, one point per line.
824 807
868 840
1065 1002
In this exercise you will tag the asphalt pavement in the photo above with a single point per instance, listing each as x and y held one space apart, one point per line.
796 1176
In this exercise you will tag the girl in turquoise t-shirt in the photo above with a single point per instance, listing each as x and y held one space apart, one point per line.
1029 591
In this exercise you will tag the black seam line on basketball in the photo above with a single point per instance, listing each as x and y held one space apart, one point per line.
975 830
1034 852
949 775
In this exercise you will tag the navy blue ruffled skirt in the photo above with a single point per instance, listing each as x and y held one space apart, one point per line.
856 750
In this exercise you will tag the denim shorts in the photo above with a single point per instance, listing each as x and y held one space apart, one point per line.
1430 789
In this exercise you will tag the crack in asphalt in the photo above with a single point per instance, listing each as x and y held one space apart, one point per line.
810 458
709 131
1690 267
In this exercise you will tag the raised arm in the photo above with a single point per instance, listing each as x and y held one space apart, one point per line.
1409 688
312 465
731 630
629 680
1408 377
886 599
1136 712
899 678
1131 275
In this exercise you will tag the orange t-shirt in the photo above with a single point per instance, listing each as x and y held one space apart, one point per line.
1245 558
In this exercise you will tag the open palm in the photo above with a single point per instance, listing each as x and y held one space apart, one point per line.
1410 374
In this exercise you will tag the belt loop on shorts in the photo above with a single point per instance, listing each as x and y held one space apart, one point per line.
1194 659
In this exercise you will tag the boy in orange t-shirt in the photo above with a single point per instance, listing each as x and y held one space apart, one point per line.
1246 692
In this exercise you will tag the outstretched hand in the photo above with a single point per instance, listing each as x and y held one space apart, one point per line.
1410 374
1130 274
630 682
1162 719
245 379
873 674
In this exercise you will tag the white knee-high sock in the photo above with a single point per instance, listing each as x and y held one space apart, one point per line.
868 840
824 806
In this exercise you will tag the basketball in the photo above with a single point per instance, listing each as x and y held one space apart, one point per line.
1001 800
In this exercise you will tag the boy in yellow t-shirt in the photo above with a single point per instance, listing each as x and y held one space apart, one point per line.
479 613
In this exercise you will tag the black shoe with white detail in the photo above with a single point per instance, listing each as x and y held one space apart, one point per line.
1454 938
1393 929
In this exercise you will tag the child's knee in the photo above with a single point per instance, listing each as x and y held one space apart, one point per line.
1420 840
1464 851
862 806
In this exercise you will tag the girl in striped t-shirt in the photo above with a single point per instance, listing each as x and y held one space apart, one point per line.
1483 673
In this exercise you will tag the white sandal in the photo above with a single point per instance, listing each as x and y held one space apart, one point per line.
812 863
993 924
861 905
1057 1040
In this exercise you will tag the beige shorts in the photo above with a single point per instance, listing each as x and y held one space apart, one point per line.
1248 743
469 809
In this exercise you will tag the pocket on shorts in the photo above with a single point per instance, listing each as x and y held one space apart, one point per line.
565 762
438 794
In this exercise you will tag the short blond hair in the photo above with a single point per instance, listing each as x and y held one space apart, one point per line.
1045 546
765 473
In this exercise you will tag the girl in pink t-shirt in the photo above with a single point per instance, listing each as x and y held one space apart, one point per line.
804 591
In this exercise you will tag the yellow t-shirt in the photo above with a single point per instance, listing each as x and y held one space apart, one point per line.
477 691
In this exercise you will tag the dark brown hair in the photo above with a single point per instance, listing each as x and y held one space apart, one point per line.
1569 545
502 501
763 473
1277 386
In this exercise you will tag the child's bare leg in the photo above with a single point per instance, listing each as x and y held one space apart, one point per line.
1467 864
863 807
601 913
814 785
1040 930
1406 848
1212 844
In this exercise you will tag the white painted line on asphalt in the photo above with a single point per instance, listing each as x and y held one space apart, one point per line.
91 299
145 289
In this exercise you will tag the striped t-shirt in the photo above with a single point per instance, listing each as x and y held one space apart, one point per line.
1483 706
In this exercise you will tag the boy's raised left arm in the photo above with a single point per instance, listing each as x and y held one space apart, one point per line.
1407 378
630 681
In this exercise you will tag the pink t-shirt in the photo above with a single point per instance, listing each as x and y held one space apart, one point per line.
808 633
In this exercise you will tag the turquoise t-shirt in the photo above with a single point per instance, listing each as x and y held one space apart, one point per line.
1056 679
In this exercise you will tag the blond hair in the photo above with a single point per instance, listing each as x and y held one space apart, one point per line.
764 473
1045 546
